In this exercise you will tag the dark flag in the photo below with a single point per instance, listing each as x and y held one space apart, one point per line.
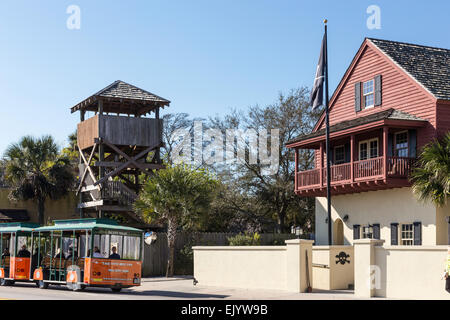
316 98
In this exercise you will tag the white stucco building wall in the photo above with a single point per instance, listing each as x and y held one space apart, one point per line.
382 207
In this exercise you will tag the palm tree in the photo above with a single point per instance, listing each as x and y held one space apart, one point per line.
431 177
178 195
36 172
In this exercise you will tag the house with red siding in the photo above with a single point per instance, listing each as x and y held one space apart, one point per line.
393 99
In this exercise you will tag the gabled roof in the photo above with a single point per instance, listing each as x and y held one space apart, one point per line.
389 114
403 55
428 65
124 98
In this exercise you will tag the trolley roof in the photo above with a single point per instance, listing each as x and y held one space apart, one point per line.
18 227
87 224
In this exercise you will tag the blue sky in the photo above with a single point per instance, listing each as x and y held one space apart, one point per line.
204 56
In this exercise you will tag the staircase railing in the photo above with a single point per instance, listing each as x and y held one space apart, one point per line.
116 190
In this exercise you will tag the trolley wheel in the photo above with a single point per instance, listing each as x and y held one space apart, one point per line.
116 289
81 288
4 282
42 284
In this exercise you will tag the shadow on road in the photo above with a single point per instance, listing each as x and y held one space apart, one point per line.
177 294
126 292
320 291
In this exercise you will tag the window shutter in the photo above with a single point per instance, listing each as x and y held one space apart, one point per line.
358 96
376 231
394 234
347 152
378 90
355 231
412 134
390 144
417 233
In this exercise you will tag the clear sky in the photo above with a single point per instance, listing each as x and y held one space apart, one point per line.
206 56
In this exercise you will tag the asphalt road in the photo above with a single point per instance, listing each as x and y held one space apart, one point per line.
160 289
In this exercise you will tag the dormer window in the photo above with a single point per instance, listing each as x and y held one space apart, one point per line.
368 94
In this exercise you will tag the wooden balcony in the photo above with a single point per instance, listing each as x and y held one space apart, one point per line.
364 175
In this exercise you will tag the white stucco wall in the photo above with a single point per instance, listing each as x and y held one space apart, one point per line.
328 274
253 267
442 224
411 272
256 267
383 207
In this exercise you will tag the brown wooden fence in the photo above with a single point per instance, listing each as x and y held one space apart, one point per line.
155 255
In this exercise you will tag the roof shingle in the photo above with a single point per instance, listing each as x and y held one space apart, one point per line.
122 97
122 90
428 65
389 114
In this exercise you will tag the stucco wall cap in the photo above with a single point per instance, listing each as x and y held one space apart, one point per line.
299 241
374 242
239 248
332 247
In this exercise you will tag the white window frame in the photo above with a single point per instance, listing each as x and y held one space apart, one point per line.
370 231
407 142
364 95
400 234
334 154
368 148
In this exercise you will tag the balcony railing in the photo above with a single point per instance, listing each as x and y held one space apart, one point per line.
368 168
397 167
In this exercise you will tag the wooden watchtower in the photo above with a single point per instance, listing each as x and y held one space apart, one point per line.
118 143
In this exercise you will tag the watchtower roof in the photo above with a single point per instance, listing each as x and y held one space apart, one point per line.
121 97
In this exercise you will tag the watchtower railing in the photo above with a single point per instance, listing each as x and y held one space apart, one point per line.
116 190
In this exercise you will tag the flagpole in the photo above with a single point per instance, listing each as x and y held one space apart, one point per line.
330 242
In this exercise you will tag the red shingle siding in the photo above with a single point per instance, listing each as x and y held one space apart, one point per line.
443 118
399 91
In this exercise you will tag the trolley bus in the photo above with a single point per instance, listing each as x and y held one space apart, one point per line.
16 260
82 253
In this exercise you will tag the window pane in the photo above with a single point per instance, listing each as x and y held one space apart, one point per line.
363 151
368 100
24 243
116 241
368 93
131 248
374 148
339 155
83 249
368 87
102 243
407 235
401 144
367 232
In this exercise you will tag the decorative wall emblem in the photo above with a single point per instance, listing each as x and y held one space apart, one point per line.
342 258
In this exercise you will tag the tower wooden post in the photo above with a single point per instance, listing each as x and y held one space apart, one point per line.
114 149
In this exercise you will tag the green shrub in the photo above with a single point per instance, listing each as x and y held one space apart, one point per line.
246 239
279 240
184 260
